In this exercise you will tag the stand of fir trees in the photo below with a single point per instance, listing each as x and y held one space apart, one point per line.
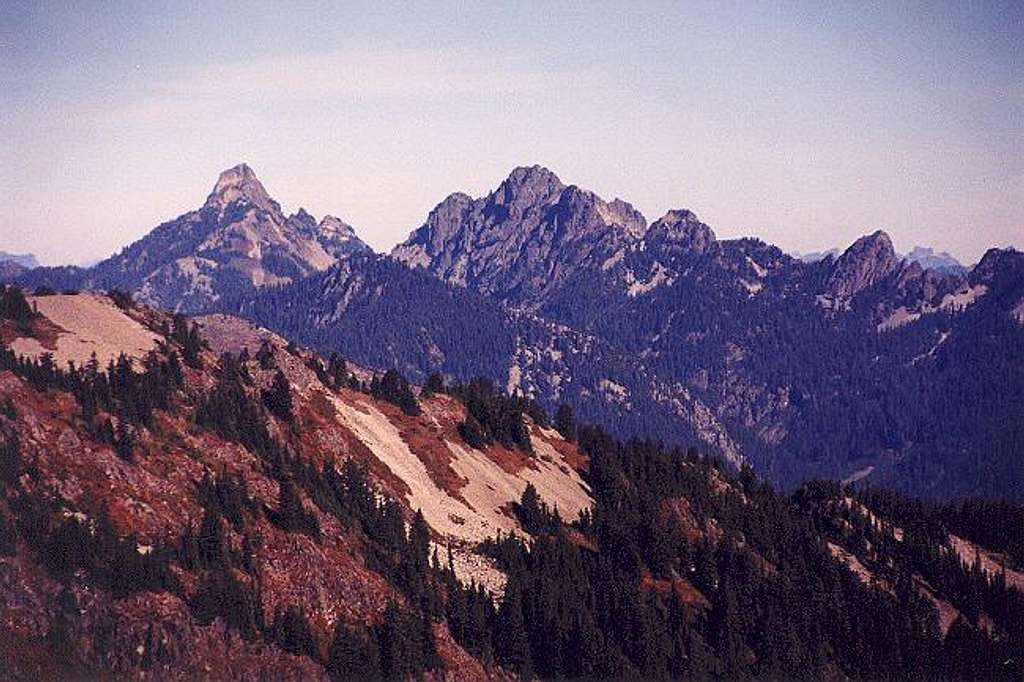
682 569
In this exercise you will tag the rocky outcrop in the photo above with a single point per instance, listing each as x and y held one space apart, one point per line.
868 261
680 231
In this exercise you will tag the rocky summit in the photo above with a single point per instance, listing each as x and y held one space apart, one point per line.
238 240
522 240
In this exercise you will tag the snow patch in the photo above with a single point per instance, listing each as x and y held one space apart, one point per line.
637 288
757 267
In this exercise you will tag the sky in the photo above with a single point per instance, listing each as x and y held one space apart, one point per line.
803 124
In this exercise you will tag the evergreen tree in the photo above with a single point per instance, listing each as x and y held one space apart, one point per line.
434 384
394 388
353 656
278 398
510 637
565 422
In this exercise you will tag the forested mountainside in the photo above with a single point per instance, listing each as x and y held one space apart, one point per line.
203 498
864 366
386 315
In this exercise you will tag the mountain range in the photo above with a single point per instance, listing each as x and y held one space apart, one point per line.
867 366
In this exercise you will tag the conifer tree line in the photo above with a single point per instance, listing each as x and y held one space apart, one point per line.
682 569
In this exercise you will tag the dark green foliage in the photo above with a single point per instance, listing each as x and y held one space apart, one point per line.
291 515
14 307
8 536
291 632
66 546
495 417
222 594
10 458
434 384
474 433
233 414
534 515
353 656
407 645
565 422
570 612
121 299
130 395
227 496
211 544
189 339
278 398
510 634
124 443
265 355
394 388
337 372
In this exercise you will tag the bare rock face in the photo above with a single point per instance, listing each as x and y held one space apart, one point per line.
680 231
868 261
240 184
522 240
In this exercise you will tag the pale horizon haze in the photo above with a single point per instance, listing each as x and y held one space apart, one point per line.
803 124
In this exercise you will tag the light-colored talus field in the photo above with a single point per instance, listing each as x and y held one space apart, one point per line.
478 507
86 323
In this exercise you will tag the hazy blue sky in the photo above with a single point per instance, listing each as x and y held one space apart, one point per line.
802 124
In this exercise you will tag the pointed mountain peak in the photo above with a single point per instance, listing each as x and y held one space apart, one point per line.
878 241
868 260
240 183
526 186
526 176
681 230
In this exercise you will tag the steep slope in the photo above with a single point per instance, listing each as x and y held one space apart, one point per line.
161 478
803 369
238 240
